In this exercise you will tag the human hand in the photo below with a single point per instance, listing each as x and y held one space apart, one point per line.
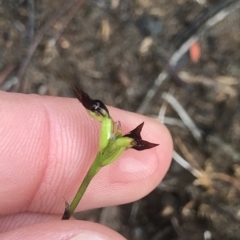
46 147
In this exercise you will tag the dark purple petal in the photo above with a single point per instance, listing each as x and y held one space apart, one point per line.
143 145
138 143
95 106
136 132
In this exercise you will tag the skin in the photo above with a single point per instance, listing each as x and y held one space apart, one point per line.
46 147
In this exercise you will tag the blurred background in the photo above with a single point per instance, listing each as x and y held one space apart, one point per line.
176 61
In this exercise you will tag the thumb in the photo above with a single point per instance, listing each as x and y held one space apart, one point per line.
69 230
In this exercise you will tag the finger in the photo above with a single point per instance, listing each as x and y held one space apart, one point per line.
47 144
13 221
54 230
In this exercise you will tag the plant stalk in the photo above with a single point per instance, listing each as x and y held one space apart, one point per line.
94 169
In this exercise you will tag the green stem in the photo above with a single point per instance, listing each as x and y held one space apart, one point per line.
94 169
102 159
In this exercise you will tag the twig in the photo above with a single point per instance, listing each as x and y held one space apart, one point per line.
183 115
227 148
226 178
182 162
162 112
37 39
134 212
31 23
176 225
11 82
186 210
167 120
152 92
170 121
168 185
187 154
67 19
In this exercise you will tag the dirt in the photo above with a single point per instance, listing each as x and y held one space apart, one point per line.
115 50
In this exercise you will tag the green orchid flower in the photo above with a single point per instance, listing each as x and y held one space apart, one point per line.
111 144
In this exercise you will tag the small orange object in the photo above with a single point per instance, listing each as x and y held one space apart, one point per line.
195 52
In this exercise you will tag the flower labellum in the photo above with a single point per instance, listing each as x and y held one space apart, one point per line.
138 143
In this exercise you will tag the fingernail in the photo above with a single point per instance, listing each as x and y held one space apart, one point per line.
88 236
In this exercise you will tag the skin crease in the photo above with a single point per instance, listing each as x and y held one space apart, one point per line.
47 145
